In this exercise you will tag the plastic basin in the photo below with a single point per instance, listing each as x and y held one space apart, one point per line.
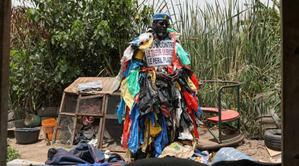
26 135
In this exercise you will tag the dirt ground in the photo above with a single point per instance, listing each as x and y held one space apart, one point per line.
37 152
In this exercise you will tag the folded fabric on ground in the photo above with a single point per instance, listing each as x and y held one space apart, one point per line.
83 154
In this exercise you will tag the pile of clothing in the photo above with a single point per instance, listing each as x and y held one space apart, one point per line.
159 102
83 154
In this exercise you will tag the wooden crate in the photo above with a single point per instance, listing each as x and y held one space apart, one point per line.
74 105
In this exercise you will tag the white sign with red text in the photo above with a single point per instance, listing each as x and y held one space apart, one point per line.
160 54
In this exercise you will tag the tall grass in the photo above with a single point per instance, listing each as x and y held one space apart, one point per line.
236 43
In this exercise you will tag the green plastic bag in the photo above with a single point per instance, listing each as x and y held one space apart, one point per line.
132 83
183 55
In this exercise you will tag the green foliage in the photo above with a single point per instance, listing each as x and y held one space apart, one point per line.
59 40
11 153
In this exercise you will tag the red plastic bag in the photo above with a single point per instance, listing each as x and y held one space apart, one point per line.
194 80
191 101
126 130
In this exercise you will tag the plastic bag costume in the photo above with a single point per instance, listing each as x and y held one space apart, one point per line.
157 111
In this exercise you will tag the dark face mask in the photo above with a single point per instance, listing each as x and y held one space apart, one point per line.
160 27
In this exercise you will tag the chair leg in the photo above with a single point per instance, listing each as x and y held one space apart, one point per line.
219 130
219 138
211 132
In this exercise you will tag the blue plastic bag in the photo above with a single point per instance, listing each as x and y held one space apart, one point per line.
162 139
121 110
230 154
133 139
132 65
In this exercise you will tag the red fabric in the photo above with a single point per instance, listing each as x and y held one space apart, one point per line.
169 69
137 98
164 110
126 130
189 110
191 100
195 81
126 64
176 63
147 69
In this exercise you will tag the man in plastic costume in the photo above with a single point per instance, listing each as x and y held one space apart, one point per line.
158 92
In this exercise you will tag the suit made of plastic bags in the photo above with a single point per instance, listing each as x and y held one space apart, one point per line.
155 109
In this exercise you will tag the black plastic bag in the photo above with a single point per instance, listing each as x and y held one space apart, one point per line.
148 96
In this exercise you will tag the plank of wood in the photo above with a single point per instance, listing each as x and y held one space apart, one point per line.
273 152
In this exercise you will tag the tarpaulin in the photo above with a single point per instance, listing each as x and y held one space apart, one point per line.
133 139
132 83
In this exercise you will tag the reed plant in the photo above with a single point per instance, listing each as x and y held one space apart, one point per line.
230 41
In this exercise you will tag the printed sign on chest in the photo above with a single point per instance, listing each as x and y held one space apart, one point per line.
160 54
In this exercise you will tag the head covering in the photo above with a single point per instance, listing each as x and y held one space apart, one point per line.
161 16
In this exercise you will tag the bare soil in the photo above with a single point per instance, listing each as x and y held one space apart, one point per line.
257 150
37 152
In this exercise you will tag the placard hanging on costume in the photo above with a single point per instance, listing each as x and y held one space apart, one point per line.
160 54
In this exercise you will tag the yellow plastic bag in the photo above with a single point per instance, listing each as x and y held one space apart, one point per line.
155 129
125 93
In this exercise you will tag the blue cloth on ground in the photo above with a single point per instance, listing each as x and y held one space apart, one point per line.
82 154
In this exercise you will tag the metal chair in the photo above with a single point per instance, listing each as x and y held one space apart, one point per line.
224 116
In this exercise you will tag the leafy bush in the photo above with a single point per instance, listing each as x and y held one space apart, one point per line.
11 153
57 41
